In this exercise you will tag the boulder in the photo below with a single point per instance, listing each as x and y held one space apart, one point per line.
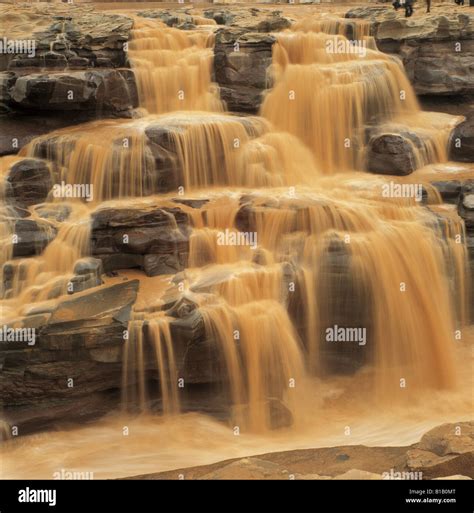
31 237
241 60
112 91
87 274
157 239
445 450
221 17
462 141
391 154
29 182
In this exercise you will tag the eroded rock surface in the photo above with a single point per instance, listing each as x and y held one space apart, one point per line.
350 462
437 50
73 370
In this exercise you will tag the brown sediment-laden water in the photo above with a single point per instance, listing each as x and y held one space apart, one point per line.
332 296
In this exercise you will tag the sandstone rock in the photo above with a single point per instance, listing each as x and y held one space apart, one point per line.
80 339
32 237
391 154
197 357
457 477
88 272
462 141
241 61
248 468
113 91
79 37
357 475
7 79
367 12
150 233
30 181
320 463
221 17
101 303
20 128
171 18
311 477
445 450
449 439
437 50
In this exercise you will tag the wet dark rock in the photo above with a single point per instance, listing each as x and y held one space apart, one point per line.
30 181
120 261
73 371
32 237
151 234
223 17
391 154
462 141
87 274
197 357
113 91
351 307
19 128
7 80
193 203
449 190
55 211
280 415
466 205
155 264
241 60
78 63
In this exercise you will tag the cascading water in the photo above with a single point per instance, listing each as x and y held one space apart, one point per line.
307 253
318 72
172 68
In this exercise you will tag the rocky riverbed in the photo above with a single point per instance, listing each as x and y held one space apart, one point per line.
440 454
